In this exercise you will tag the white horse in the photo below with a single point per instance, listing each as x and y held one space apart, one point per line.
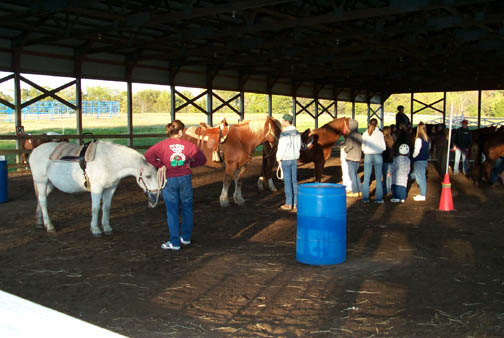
111 163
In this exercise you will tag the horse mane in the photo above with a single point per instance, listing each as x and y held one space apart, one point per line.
256 125
335 126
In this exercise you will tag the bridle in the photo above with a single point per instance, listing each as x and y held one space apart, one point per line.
161 183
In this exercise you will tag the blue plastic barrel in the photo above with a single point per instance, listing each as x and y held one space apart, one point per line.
321 224
3 181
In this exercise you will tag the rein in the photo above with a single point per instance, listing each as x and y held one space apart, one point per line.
161 179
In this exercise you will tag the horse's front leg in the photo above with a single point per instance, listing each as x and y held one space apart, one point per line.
224 199
42 190
107 201
319 167
96 197
237 196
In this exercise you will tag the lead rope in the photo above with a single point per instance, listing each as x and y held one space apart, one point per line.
279 172
161 178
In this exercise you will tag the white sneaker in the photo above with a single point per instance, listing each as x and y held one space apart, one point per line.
419 198
184 242
395 200
402 201
169 246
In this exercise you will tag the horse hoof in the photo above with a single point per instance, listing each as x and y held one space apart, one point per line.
224 203
51 230
240 202
39 226
97 235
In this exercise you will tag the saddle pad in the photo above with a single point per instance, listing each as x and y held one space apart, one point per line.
69 149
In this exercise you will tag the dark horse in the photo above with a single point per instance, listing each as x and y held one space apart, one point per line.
488 146
237 148
318 143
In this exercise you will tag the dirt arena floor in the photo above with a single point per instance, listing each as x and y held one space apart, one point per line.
410 270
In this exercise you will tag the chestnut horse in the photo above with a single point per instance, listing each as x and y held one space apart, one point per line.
33 142
318 143
489 146
238 148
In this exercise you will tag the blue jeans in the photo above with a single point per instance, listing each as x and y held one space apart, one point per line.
372 161
498 167
398 192
289 168
353 167
458 154
419 171
177 193
387 179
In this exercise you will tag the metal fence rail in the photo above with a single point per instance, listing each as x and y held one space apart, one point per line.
51 110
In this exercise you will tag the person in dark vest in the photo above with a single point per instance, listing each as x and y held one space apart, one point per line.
402 118
420 159
462 142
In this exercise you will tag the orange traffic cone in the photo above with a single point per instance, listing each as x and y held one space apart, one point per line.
446 203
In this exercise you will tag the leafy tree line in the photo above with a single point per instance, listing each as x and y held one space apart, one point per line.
158 101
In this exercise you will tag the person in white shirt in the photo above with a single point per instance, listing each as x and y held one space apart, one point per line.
373 145
287 155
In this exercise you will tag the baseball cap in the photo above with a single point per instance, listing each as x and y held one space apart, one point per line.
287 117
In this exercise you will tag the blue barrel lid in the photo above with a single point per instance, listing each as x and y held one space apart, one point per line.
322 188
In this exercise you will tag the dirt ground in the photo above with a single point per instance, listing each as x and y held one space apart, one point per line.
411 270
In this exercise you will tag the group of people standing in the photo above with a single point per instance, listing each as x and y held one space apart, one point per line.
389 153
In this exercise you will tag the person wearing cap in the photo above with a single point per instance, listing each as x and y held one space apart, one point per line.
287 155
462 142
400 171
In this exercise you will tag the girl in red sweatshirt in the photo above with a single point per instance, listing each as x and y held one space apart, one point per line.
178 156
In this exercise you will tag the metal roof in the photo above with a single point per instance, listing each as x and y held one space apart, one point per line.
333 49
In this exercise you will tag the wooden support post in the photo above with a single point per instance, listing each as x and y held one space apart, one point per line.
479 108
17 104
382 115
368 111
411 109
270 105
209 106
316 112
353 108
242 105
444 107
129 110
335 109
294 102
78 104
173 102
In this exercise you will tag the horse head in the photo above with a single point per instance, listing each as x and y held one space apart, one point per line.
308 139
148 180
273 131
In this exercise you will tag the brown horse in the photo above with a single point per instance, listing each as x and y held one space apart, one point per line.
488 145
31 143
318 143
237 148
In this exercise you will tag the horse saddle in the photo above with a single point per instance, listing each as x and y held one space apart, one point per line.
209 138
74 153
